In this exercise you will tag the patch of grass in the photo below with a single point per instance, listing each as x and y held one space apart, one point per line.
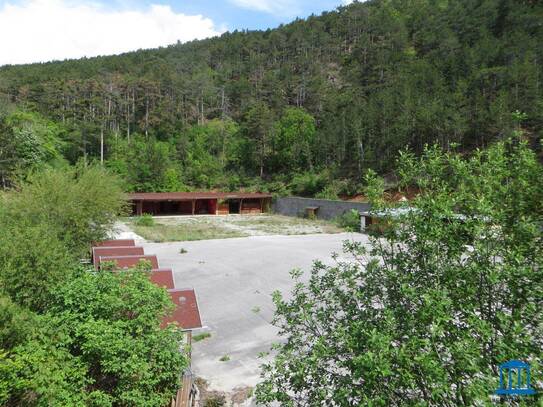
201 337
215 400
183 250
161 232
286 225
144 220
225 358
219 227
256 309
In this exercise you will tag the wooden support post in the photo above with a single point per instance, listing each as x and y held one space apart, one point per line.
193 205
261 200
139 208
241 206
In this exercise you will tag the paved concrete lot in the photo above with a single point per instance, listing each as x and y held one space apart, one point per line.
234 279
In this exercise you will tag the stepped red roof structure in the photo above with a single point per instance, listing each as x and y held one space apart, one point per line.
186 314
116 251
126 255
116 242
162 278
125 262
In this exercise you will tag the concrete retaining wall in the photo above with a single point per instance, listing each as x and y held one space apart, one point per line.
328 209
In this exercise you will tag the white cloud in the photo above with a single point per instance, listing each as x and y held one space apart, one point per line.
45 30
277 7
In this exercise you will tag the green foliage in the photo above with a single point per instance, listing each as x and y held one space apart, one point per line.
224 358
293 141
309 183
41 373
27 141
349 220
344 90
201 337
145 220
101 329
71 336
146 164
79 205
16 323
207 150
113 322
423 316
33 262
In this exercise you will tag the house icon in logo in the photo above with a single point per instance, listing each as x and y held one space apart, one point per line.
521 386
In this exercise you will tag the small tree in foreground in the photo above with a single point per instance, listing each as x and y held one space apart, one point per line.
100 344
452 288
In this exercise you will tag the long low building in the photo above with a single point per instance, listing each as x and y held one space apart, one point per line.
199 203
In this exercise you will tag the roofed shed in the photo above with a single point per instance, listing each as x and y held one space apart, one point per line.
199 203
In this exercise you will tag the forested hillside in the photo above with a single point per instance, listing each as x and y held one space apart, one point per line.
308 106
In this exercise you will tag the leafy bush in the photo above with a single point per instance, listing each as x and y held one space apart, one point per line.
308 183
33 263
79 205
329 192
419 302
104 329
349 220
145 220
71 336
336 188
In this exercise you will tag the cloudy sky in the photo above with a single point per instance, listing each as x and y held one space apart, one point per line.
45 30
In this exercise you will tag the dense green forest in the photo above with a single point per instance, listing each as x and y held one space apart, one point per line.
307 107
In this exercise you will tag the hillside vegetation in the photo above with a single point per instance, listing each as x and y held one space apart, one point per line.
308 106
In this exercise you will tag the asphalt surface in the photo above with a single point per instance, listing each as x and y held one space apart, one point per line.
234 279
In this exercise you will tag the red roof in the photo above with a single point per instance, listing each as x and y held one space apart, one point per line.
115 251
124 262
186 313
162 278
187 196
117 242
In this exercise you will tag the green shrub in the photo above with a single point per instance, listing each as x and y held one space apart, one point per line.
329 192
349 220
79 205
145 220
70 336
308 183
418 302
337 187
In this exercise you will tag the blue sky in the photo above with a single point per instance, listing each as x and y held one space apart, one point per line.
251 14
45 30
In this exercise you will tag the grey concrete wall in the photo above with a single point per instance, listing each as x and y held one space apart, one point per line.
328 209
